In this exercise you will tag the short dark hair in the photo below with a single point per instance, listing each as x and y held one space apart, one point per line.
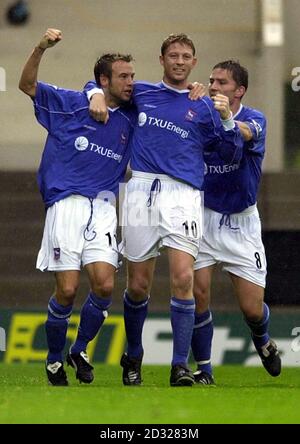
103 65
183 39
239 73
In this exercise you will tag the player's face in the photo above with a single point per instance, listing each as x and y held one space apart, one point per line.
221 82
178 61
121 84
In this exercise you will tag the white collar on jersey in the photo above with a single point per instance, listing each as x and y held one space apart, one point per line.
180 91
238 111
113 109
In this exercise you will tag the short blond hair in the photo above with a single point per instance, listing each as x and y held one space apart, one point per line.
177 38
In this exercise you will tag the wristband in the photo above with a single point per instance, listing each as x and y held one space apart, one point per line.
228 124
93 91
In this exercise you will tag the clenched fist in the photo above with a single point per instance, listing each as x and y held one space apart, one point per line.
50 38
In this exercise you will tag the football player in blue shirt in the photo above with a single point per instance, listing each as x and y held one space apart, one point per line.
232 228
162 206
82 164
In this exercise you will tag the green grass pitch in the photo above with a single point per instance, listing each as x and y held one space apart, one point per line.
242 395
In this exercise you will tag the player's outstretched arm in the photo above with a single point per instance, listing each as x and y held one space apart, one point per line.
28 80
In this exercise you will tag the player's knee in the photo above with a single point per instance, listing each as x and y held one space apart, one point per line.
182 281
201 293
66 294
252 312
103 289
138 288
201 299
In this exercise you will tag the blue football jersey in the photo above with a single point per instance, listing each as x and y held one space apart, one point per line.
231 188
81 156
173 131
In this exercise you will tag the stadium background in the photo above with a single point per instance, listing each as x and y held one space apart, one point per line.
262 35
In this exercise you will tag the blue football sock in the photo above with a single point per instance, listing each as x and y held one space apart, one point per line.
56 329
259 330
201 341
182 321
92 315
134 317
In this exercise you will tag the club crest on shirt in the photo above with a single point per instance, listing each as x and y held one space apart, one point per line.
190 115
81 143
56 253
123 138
142 119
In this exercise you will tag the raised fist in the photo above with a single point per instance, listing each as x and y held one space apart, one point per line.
50 38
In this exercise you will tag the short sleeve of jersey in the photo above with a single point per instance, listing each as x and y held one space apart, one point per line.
52 105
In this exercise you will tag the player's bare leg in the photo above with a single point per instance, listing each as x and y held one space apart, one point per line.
67 283
256 312
140 278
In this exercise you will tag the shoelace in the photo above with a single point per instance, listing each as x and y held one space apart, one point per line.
225 220
154 190
86 234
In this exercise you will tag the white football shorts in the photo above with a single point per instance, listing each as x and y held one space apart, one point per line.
235 241
78 231
159 211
